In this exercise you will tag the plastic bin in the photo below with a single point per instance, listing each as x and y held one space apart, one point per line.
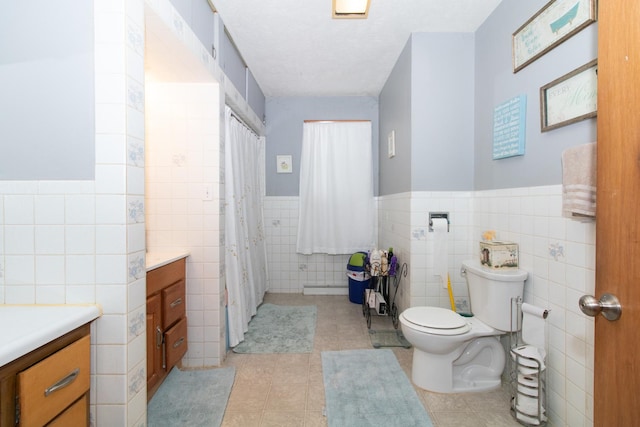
358 278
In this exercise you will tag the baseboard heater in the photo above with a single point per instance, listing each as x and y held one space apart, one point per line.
318 289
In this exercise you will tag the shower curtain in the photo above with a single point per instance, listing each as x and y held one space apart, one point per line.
336 188
245 248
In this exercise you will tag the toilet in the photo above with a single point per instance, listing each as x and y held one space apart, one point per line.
452 353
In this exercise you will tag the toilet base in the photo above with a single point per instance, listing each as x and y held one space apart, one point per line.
432 372
475 367
461 386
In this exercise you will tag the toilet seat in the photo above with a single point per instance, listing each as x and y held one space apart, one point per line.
436 320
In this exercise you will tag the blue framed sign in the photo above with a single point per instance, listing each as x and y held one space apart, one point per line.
509 119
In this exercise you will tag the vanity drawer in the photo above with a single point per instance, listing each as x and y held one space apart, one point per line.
173 304
75 415
164 276
176 342
48 387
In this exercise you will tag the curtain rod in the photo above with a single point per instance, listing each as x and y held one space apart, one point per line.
336 121
241 121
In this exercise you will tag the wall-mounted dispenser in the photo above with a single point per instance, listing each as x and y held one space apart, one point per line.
435 215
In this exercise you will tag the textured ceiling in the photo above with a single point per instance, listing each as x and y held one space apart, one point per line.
295 48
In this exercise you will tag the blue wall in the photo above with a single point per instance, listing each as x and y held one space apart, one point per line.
210 30
255 97
199 16
428 101
496 83
439 99
47 93
285 117
442 112
395 115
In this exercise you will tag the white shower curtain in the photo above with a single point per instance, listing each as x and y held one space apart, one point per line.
245 249
336 188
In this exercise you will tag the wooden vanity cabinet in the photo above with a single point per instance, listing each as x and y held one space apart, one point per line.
50 385
154 341
166 321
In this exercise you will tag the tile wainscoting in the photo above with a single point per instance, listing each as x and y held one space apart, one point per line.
558 253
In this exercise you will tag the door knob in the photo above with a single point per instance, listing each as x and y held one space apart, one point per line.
608 305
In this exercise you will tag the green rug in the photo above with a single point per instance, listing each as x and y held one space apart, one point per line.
191 398
368 388
391 338
280 329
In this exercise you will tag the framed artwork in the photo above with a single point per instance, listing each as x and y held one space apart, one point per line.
509 126
391 144
284 164
570 98
556 22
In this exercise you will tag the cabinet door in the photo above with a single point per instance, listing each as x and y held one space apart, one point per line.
154 341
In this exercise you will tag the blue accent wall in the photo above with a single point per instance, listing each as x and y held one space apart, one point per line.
442 111
495 83
285 117
439 100
395 115
255 97
47 91
428 102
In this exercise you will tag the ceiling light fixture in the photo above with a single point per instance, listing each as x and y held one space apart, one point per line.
350 9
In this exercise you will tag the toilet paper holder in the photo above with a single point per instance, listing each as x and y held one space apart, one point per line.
434 215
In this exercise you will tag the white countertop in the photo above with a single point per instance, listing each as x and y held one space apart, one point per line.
24 328
158 259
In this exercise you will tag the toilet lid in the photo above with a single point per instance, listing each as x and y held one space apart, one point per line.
440 320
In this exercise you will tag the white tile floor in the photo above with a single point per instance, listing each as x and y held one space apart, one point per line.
287 389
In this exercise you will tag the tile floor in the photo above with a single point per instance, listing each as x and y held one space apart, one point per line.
287 389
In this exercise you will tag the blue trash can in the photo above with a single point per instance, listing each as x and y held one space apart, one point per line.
358 278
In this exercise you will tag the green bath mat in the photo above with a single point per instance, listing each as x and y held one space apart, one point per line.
390 338
366 388
191 398
280 329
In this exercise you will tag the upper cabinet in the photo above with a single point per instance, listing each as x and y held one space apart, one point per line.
232 64
210 30
255 97
200 17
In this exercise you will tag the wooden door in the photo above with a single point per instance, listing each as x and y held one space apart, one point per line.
617 343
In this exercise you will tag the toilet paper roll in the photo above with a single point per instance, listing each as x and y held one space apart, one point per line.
533 325
440 249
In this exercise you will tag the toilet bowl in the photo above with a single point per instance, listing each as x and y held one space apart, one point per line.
452 353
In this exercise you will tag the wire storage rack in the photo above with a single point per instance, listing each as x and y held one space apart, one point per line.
527 374
380 295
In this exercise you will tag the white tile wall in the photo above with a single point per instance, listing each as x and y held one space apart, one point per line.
290 272
183 135
68 241
394 230
55 246
558 253
84 241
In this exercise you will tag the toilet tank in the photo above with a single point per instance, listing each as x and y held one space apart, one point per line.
491 291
